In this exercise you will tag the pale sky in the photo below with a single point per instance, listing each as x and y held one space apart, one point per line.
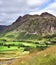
10 10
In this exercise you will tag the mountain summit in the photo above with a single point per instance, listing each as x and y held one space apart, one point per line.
34 24
46 14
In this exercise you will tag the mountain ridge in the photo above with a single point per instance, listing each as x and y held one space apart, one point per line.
34 24
34 21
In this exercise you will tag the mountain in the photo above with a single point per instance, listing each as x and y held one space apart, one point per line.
3 28
46 14
35 24
31 26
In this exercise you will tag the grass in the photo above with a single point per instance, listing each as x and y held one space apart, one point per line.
46 57
10 36
14 51
3 48
26 47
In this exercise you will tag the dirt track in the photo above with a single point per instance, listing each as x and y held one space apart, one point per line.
6 61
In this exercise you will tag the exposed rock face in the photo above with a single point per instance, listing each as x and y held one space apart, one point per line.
35 24
46 14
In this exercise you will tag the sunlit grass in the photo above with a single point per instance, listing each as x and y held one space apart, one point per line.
46 57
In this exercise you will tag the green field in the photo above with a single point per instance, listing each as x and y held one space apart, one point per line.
17 49
18 45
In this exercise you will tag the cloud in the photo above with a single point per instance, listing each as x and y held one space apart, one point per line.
10 10
36 2
51 8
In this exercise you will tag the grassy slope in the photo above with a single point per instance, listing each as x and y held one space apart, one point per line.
46 57
17 36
